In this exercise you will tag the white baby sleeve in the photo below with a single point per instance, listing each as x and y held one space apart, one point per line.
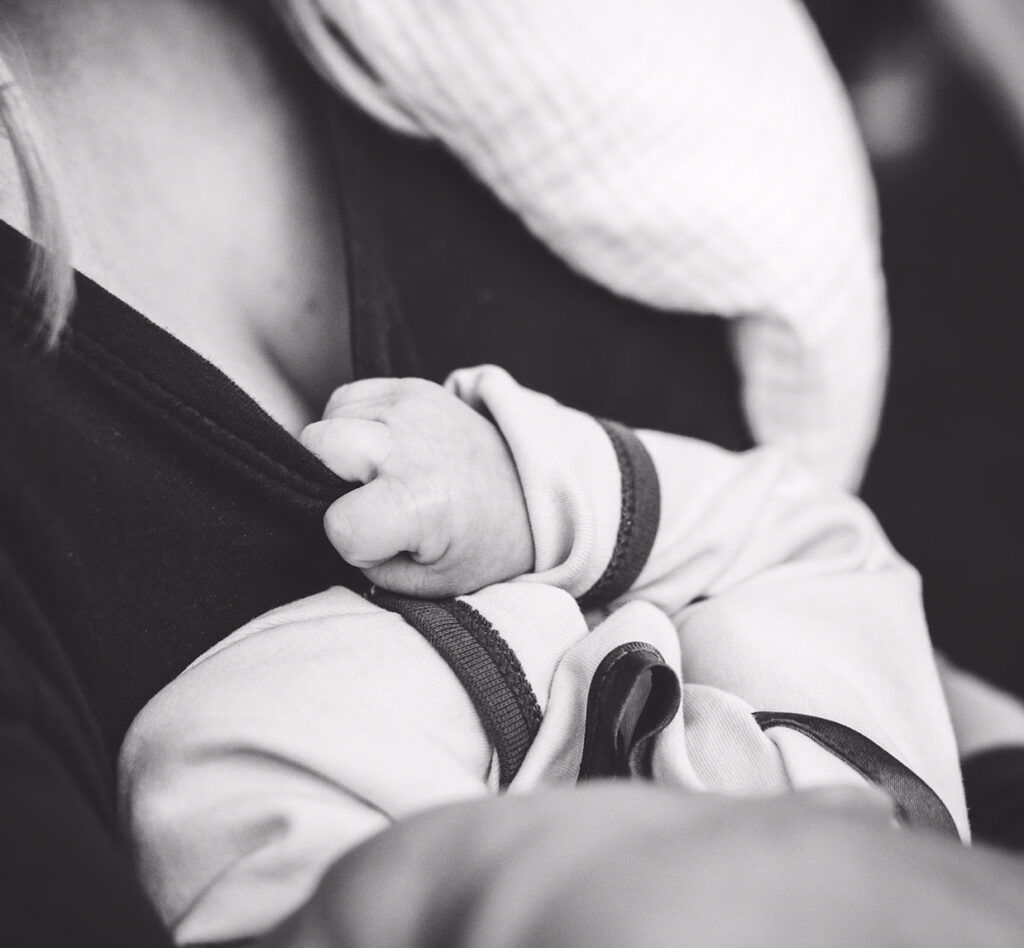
785 593
316 726
292 740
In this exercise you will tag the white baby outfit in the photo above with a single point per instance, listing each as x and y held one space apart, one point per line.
731 581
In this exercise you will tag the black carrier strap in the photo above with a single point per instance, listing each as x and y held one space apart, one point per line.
634 695
917 805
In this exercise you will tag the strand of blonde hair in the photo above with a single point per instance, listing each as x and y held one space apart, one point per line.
50 285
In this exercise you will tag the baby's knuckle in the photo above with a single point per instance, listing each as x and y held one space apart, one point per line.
405 497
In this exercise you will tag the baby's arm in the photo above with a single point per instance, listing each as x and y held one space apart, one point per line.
785 593
311 728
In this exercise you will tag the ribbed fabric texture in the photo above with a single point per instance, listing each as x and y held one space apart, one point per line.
638 519
485 666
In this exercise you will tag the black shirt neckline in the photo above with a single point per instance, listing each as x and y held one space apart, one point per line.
109 337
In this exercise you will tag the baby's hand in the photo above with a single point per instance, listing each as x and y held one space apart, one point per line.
442 511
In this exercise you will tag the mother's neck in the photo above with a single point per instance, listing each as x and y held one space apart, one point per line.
124 93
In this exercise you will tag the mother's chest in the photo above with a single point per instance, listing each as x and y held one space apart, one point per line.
199 187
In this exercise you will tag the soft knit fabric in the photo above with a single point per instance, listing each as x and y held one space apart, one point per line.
762 591
696 156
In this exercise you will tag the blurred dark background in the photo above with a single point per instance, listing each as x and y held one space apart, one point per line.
938 94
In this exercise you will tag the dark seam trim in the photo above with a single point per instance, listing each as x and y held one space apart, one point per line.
598 692
509 704
638 521
468 644
916 803
161 398
113 368
505 660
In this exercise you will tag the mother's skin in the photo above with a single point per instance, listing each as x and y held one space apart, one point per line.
195 180
196 184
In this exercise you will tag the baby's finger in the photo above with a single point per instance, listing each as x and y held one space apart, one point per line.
368 527
353 448
405 576
363 391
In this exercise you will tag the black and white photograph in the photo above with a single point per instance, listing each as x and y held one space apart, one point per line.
511 473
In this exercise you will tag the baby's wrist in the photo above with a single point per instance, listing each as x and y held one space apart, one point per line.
590 489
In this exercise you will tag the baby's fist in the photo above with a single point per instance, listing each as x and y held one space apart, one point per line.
441 512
